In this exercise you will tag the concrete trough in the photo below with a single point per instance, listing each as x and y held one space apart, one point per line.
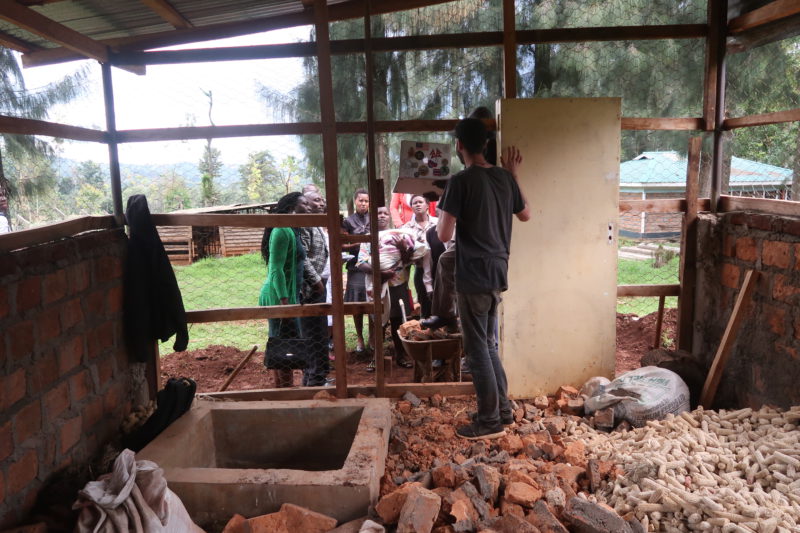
223 458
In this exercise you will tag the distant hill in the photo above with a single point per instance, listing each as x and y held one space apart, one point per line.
229 175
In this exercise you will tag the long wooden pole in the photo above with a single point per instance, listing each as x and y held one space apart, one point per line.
718 16
375 188
688 266
329 150
509 50
113 152
728 338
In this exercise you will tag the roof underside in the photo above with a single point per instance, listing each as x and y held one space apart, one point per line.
110 19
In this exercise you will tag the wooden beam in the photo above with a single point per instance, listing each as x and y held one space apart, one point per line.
392 390
52 232
665 205
9 41
509 49
714 41
344 11
331 173
376 195
36 23
763 119
27 126
762 205
728 338
239 221
218 132
232 314
688 262
772 12
167 11
641 123
648 290
612 33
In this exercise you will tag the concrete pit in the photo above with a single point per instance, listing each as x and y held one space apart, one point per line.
223 458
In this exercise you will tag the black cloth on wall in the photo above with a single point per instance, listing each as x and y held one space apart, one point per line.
153 307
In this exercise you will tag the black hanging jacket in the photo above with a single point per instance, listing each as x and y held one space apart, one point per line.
153 305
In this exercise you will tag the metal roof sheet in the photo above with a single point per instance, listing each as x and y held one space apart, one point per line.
106 19
657 168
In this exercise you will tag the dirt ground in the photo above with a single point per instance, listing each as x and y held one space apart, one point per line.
211 366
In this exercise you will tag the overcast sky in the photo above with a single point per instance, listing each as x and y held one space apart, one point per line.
173 95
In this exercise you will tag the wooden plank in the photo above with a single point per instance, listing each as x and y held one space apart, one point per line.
612 33
205 55
381 126
763 119
762 205
9 41
27 126
241 221
375 188
36 23
392 390
774 11
233 314
648 290
167 11
662 205
509 49
688 262
680 124
714 42
728 338
51 232
217 132
352 239
331 168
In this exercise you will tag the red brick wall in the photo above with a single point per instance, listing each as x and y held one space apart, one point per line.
64 373
765 362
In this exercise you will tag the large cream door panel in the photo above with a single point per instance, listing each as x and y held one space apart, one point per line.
558 318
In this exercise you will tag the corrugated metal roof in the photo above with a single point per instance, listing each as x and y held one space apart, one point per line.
106 19
658 168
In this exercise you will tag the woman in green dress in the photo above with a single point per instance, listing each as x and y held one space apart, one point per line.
284 255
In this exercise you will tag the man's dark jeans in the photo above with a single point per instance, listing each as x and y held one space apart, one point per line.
315 328
478 312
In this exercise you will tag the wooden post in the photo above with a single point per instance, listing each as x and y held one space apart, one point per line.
509 50
688 266
725 346
113 153
376 199
659 322
330 155
718 19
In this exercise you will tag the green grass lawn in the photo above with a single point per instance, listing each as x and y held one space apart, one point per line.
236 282
633 272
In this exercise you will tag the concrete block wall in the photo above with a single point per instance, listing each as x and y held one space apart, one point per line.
65 380
765 363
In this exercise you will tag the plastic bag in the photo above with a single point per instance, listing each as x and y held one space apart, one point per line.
647 393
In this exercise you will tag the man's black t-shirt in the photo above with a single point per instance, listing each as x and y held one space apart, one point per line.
483 202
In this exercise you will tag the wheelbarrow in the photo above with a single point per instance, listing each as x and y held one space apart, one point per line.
423 353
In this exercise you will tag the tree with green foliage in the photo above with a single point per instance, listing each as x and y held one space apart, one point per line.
175 193
17 151
257 176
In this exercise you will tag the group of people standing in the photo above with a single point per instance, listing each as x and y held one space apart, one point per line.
470 271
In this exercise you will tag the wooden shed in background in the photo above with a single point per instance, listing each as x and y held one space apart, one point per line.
187 244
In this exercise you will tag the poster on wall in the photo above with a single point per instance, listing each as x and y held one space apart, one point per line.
421 165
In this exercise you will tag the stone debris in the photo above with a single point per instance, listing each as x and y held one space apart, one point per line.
517 483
